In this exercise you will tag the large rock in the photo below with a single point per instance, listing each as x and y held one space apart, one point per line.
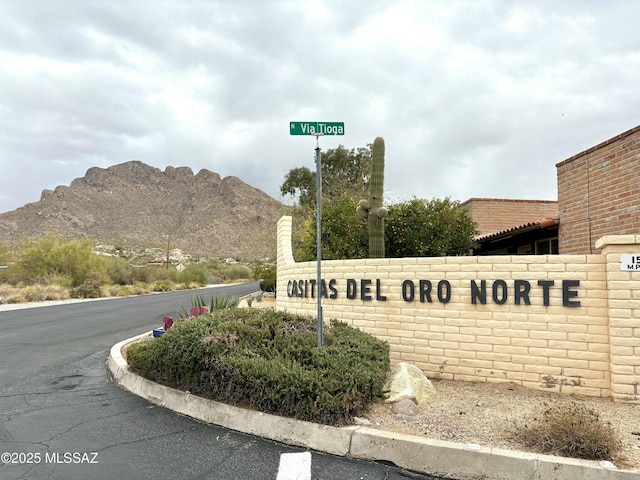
406 408
408 382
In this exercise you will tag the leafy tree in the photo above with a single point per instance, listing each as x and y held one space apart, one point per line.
267 273
415 228
195 273
344 234
238 272
343 171
53 256
120 271
435 228
5 257
5 253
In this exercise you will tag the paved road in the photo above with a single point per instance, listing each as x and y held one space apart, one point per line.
62 418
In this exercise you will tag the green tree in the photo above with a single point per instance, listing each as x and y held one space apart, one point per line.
5 253
5 257
344 234
435 228
120 271
415 228
343 171
195 273
267 273
53 256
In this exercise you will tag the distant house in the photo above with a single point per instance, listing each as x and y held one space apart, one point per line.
512 227
598 195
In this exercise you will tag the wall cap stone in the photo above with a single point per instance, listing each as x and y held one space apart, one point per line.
617 240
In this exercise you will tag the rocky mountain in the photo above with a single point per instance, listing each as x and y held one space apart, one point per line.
134 204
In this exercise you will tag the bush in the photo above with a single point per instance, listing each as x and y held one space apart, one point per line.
216 302
120 271
197 273
571 430
269 360
52 255
267 274
238 272
268 285
162 286
32 293
90 288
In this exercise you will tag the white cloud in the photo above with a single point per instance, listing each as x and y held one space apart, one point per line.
473 98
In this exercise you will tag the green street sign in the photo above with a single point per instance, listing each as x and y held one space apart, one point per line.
316 128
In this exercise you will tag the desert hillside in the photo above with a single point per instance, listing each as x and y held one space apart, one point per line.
134 204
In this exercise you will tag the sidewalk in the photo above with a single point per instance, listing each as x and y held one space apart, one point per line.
418 454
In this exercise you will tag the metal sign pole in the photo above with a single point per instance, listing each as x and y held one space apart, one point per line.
318 129
318 235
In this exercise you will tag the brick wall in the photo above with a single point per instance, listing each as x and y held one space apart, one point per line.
542 336
496 214
599 193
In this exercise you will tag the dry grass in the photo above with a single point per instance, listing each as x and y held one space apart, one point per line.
571 430
33 293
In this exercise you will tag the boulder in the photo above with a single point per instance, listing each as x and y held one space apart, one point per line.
408 382
405 407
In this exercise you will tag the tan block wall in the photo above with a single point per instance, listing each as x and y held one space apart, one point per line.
599 193
496 214
553 347
623 296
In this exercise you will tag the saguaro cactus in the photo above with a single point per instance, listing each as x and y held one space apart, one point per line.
372 209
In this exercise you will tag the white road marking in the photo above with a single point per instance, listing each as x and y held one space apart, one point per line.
295 466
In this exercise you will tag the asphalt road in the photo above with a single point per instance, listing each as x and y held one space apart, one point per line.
62 418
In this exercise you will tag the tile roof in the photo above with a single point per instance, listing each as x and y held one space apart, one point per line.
542 223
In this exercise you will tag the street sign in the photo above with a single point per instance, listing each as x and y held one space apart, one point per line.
629 263
316 128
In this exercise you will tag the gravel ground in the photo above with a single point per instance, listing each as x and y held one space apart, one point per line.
487 414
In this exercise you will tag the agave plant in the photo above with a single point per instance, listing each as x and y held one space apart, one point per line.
200 306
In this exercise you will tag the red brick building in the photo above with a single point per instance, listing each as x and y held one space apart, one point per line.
598 194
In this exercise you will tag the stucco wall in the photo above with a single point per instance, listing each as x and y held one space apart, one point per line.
545 323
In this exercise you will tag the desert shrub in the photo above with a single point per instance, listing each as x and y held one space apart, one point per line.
139 288
141 274
267 273
114 291
90 288
571 430
5 253
162 286
120 271
56 292
269 360
268 285
194 273
52 255
32 293
238 272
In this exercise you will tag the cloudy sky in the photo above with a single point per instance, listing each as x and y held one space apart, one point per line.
475 98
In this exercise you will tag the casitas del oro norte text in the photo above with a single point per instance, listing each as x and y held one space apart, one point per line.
481 292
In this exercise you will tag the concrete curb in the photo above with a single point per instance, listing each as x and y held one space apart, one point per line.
429 456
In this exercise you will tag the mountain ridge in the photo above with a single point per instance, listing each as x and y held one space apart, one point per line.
133 204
